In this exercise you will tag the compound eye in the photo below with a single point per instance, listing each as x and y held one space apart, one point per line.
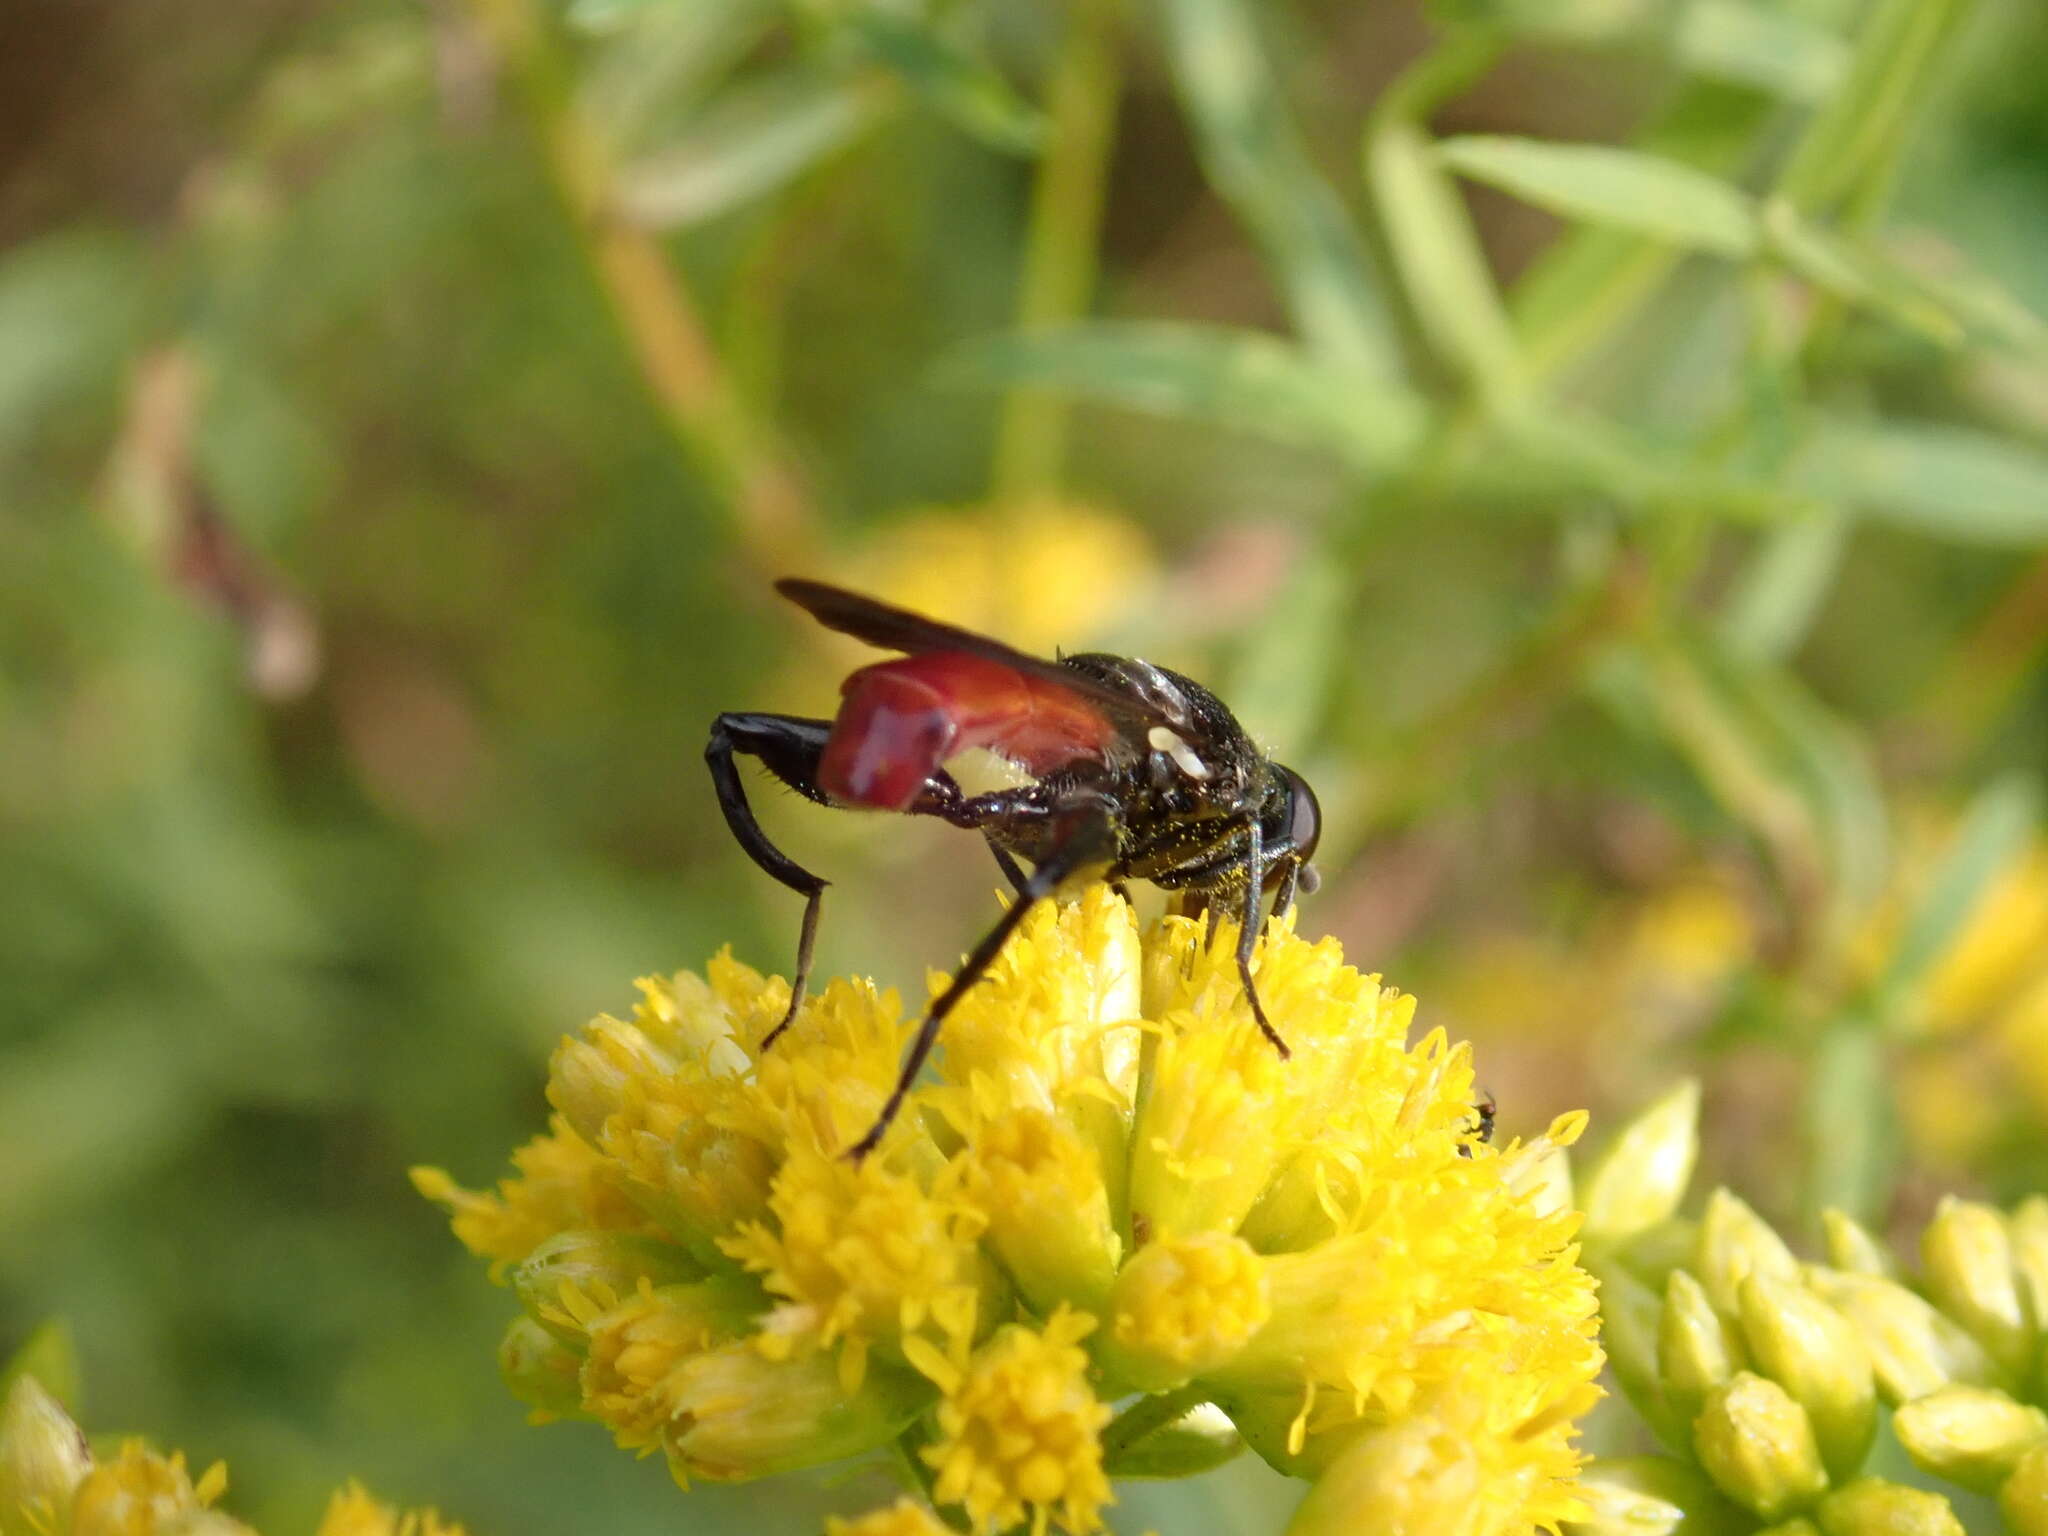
1304 816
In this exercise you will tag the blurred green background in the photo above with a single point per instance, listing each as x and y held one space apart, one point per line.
404 407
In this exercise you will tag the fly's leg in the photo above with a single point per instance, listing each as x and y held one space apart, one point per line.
1290 877
789 747
1012 870
1082 833
1250 921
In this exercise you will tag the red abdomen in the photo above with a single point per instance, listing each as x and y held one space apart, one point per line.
899 720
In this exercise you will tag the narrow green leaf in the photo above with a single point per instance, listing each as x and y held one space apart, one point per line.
1784 767
1253 155
1861 123
1856 274
1782 588
1621 188
1199 1439
1588 283
1256 383
658 61
1756 45
2000 823
963 88
50 1355
751 142
1950 482
1448 291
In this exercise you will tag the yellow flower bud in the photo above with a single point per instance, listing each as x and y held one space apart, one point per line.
1870 1506
1758 1445
1696 1349
588 1077
1799 1527
139 1492
738 1414
1913 1347
1735 1243
1037 1180
1814 1353
596 1264
1182 1308
1640 1179
1853 1250
1968 1262
1974 1436
1630 1313
2024 1498
905 1517
43 1457
541 1370
1405 1480
1653 1496
2028 1229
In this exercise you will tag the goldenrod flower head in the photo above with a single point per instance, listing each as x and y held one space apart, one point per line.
1184 1307
1112 1183
353 1512
637 1345
905 1517
865 1255
50 1486
1018 1431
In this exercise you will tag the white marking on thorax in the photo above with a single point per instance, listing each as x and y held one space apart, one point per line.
1162 740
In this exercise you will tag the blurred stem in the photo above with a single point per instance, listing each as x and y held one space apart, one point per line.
1850 1123
2001 657
1060 253
652 304
1501 700
1147 1416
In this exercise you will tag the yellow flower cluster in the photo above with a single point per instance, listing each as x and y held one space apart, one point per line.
51 1485
1767 1377
1114 1189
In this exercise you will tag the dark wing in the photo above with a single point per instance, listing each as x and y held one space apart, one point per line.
898 629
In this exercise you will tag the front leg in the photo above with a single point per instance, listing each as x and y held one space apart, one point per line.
1249 923
1081 831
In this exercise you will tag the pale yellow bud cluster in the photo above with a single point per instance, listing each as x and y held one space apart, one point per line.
51 1484
1768 1378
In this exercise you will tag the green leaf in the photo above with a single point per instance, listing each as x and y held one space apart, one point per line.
1861 125
1199 1439
751 142
1999 825
1782 588
50 1355
1620 188
1256 383
1451 300
1252 154
659 61
966 90
1588 283
1950 482
1781 765
1856 274
1758 45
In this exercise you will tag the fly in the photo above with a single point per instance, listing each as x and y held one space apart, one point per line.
1137 773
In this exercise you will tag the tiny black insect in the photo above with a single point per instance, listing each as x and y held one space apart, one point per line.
1137 773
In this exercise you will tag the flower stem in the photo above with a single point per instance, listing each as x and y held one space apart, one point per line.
1066 222
653 306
